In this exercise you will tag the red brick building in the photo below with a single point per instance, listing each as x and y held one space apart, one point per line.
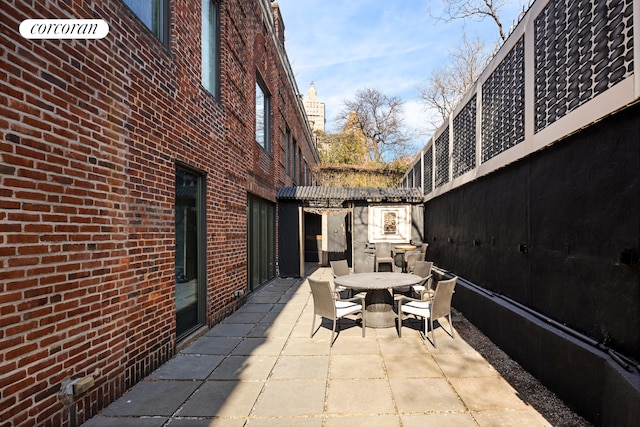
138 180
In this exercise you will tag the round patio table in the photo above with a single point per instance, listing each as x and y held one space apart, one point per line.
378 301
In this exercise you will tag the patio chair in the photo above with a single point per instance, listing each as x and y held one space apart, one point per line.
327 304
423 249
436 308
383 255
412 257
423 269
341 268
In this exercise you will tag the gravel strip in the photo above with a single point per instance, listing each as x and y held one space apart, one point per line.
550 406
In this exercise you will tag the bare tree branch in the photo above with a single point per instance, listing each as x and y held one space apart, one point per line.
379 118
447 85
479 9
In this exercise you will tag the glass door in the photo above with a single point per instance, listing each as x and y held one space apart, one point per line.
261 241
189 256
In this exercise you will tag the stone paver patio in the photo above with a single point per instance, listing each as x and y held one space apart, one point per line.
260 368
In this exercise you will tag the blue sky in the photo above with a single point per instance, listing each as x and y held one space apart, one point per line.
389 45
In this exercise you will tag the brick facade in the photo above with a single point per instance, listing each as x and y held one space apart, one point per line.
91 133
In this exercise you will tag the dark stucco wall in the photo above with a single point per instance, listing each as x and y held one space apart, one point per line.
549 231
559 233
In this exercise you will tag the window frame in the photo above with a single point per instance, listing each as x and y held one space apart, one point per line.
211 49
200 243
160 17
263 137
294 162
287 150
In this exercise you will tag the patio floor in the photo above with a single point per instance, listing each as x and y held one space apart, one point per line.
260 368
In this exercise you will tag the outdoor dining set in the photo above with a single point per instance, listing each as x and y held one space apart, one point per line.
383 299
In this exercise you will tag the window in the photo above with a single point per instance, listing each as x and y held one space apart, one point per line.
262 116
293 161
154 14
287 151
299 166
305 173
210 46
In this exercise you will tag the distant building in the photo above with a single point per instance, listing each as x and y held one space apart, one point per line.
314 109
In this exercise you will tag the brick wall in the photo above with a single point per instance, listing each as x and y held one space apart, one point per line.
90 135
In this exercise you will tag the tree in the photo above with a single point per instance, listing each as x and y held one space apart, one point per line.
448 84
478 9
379 118
342 149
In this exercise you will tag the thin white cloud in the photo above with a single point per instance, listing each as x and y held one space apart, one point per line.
344 46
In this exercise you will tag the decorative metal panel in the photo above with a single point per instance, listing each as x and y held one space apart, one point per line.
503 104
582 48
464 139
417 175
427 160
442 158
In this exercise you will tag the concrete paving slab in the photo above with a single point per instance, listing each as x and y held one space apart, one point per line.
307 346
253 307
404 345
300 367
441 420
468 364
292 397
213 345
355 345
301 330
285 316
349 396
357 366
244 317
373 420
256 368
260 346
266 298
425 395
153 398
502 418
222 398
102 421
272 330
447 345
303 421
208 422
187 367
492 393
411 365
238 330
194 422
